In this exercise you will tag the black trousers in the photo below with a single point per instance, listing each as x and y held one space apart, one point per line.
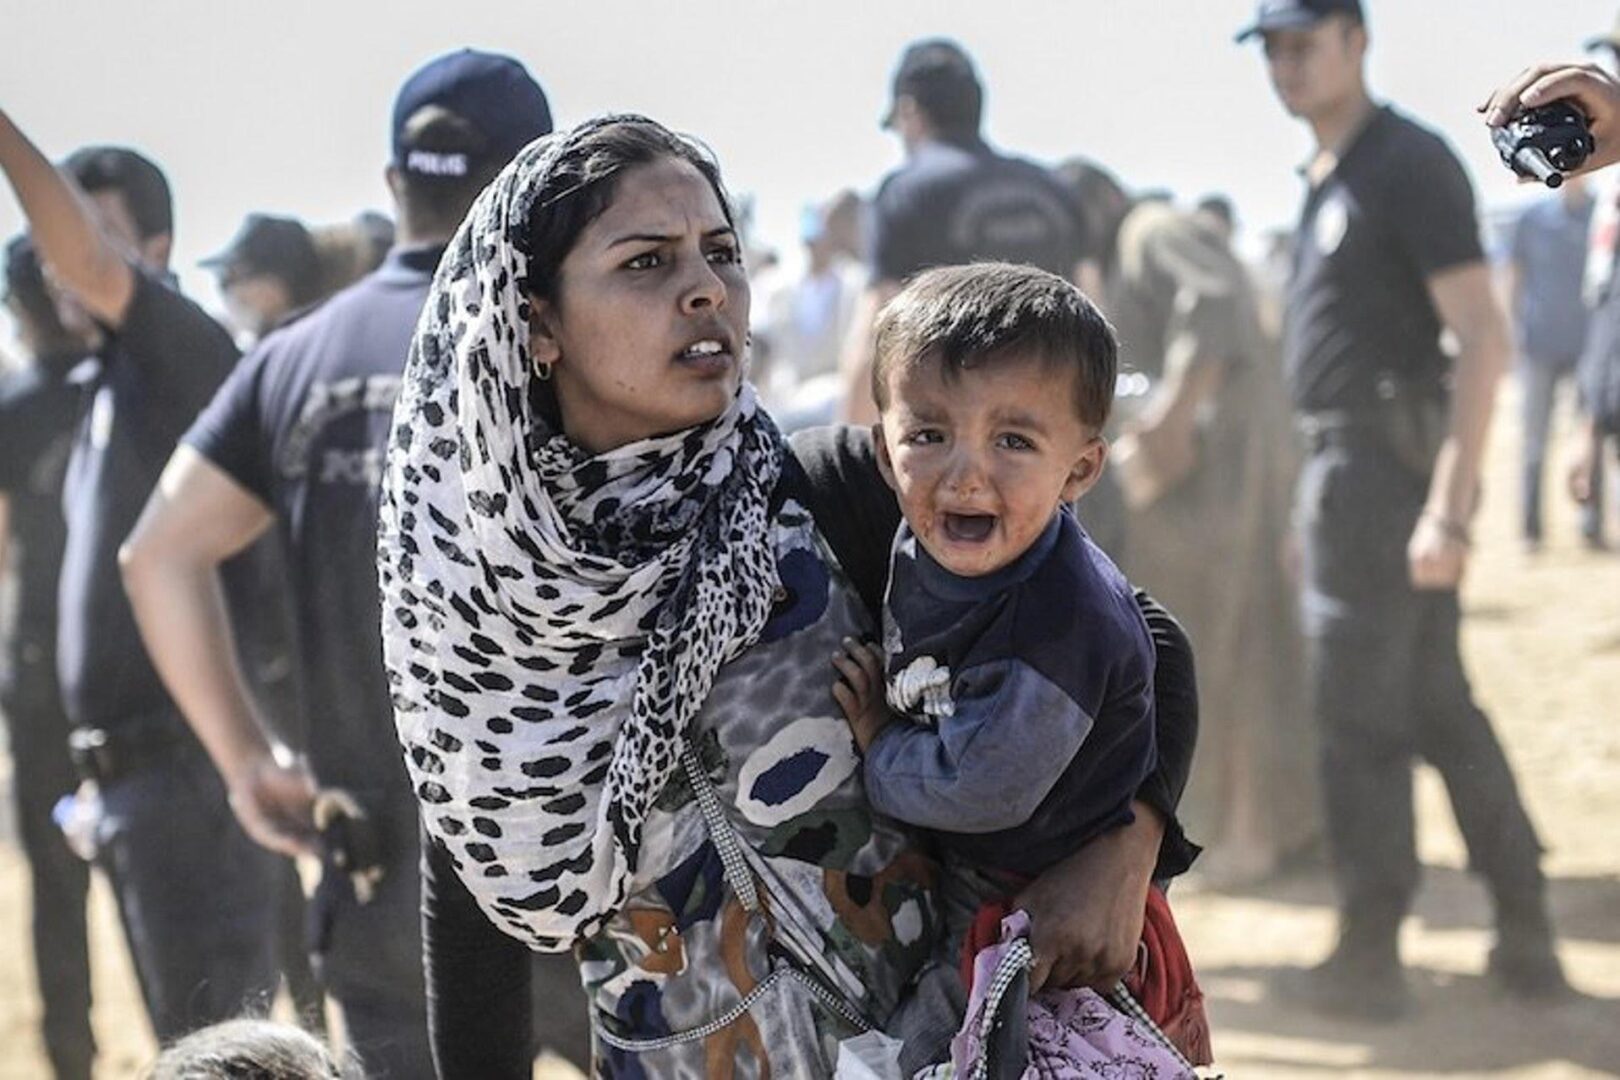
42 774
1387 686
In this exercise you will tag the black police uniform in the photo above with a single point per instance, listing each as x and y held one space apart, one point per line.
37 411
1368 378
195 893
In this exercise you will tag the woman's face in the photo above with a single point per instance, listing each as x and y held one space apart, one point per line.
648 330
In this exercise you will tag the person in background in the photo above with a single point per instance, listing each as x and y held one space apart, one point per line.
196 895
295 440
1542 279
38 407
1218 213
1206 465
269 270
1395 428
954 200
349 250
805 322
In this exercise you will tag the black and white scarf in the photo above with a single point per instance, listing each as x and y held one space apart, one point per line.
552 620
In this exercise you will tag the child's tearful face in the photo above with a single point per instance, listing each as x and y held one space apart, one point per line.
981 461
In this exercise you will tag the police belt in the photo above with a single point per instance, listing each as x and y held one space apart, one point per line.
107 755
1342 427
1408 428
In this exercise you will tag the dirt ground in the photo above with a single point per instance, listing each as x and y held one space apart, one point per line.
1542 638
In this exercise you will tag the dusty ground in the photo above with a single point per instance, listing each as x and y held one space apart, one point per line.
1542 638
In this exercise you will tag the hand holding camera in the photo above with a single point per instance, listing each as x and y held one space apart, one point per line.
1538 119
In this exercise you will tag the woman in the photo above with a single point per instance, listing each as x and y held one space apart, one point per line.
610 607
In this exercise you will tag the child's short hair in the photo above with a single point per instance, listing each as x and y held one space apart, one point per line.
252 1047
968 316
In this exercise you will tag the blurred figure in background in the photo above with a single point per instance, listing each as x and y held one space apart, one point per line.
38 408
1395 429
1542 274
1205 462
804 322
269 270
1217 212
350 250
1598 372
195 894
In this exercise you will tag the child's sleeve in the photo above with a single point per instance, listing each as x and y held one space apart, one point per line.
987 766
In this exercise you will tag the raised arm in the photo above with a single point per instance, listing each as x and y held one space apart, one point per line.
65 229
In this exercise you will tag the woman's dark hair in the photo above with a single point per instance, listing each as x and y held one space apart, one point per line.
583 176
141 184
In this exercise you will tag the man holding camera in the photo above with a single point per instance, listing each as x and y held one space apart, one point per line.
1388 258
297 437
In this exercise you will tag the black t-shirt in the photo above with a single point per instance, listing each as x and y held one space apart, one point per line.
1397 210
303 424
37 412
957 203
157 372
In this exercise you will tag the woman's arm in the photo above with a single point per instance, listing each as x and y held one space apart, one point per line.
479 1016
1086 912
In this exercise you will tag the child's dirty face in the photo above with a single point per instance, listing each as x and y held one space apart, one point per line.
981 461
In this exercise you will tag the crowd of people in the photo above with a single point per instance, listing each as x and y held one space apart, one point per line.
702 687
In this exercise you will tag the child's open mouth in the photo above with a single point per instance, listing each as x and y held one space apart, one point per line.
969 528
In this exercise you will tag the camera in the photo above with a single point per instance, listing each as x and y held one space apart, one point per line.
1545 143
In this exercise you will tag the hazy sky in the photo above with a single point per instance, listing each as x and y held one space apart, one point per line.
284 106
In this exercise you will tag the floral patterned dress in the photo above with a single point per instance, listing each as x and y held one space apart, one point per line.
686 981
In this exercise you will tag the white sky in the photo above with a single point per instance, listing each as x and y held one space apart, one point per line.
284 106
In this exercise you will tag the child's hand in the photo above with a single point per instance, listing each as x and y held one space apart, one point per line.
859 690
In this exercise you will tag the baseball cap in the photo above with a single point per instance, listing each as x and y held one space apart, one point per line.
1609 40
1296 15
938 75
278 246
494 95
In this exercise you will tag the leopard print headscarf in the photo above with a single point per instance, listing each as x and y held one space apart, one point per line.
552 620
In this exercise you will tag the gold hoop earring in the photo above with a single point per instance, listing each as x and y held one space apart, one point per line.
544 371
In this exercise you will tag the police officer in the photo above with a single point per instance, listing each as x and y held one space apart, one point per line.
1387 257
196 896
954 200
38 407
296 439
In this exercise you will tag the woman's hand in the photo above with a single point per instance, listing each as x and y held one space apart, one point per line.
1086 912
1594 91
859 690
